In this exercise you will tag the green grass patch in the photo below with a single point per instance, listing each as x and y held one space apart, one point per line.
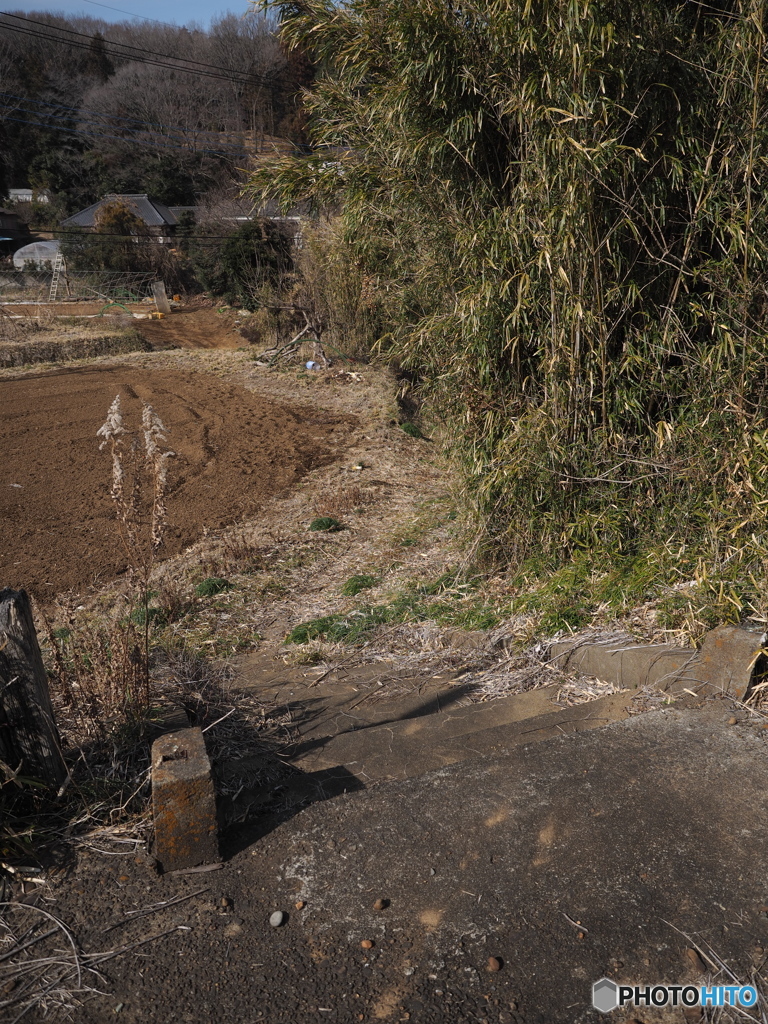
468 616
351 627
603 584
457 608
212 586
355 584
326 524
411 430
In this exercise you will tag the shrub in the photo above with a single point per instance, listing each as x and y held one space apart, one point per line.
212 586
326 523
556 205
237 267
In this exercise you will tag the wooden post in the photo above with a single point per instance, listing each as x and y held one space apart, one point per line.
28 733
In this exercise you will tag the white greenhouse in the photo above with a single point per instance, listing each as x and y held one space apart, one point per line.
37 254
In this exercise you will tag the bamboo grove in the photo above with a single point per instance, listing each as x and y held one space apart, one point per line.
561 206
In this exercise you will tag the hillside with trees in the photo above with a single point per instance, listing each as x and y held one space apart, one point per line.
88 108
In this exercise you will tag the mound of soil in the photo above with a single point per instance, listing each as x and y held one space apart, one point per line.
233 450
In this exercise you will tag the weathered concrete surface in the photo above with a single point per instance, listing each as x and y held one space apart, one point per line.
725 664
376 750
728 659
183 801
652 824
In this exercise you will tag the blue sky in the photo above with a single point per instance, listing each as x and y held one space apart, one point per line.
174 12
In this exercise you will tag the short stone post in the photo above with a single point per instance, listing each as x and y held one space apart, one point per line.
160 297
183 801
29 739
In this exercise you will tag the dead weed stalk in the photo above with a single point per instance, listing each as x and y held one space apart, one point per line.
141 533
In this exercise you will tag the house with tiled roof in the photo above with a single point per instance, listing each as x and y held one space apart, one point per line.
159 219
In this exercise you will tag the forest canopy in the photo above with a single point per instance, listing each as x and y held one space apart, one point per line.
89 108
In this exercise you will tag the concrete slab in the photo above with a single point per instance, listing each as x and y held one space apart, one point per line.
413 743
570 860
604 853
726 663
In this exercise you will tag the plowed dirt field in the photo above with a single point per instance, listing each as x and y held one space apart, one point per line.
234 449
190 327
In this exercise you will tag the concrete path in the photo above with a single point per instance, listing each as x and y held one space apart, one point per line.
566 860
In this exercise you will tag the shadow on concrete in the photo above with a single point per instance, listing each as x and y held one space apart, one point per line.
255 813
430 707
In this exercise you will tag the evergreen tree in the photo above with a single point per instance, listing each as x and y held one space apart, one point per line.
96 63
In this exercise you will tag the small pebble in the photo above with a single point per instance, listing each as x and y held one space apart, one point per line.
366 944
300 905
494 964
733 720
277 918
381 904
432 871
225 901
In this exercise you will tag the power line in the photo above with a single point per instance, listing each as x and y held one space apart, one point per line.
199 71
73 233
20 30
127 46
203 239
93 3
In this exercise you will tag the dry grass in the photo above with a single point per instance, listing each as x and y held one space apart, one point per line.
46 974
24 341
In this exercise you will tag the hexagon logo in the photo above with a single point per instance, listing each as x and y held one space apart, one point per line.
605 995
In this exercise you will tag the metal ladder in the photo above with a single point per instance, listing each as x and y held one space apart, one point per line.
58 266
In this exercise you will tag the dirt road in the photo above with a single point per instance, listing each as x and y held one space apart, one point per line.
191 328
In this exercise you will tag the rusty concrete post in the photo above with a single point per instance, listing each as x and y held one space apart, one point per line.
183 801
